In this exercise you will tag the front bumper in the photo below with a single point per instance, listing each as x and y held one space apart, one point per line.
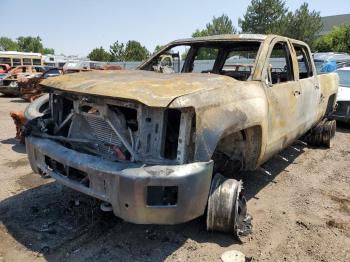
125 185
9 90
344 119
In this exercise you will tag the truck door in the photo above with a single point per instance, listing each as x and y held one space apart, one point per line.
310 90
284 96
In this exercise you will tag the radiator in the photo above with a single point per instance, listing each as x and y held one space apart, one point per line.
104 134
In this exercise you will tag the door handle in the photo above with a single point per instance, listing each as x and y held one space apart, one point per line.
296 93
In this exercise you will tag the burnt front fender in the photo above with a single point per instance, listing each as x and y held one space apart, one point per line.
220 112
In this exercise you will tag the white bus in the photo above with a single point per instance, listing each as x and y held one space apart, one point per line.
14 58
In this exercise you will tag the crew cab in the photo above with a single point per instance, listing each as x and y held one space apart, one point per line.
162 144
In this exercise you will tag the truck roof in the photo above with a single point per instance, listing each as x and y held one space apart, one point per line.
258 37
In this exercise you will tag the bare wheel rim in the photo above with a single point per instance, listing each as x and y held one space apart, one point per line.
227 209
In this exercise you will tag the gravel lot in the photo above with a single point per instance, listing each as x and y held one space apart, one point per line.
301 212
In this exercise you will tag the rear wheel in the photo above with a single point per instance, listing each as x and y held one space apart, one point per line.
323 134
227 208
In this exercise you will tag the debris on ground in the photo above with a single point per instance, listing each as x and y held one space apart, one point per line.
233 256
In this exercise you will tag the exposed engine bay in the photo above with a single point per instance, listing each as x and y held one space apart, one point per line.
118 130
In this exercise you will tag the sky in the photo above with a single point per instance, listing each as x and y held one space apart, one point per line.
75 27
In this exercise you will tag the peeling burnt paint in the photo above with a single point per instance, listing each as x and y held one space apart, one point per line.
222 104
149 88
138 130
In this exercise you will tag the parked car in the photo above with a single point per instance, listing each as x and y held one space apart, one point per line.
4 68
90 65
342 112
329 61
30 87
162 146
9 83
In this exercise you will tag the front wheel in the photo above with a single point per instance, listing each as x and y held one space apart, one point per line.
227 207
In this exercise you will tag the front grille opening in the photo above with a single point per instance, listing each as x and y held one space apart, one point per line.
162 195
54 165
79 176
130 115
89 109
173 118
70 172
148 143
108 144
62 107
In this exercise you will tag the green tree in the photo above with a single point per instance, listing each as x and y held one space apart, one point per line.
264 17
303 24
134 51
157 48
221 25
117 51
338 40
273 17
218 26
25 44
30 44
200 33
48 51
99 54
7 44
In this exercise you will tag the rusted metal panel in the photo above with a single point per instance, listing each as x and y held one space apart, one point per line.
150 88
223 111
123 184
143 114
222 104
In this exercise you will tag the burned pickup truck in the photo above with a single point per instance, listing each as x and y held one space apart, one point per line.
162 145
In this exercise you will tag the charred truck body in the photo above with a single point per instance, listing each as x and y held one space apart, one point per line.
161 145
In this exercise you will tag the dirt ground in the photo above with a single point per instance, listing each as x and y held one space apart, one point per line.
301 212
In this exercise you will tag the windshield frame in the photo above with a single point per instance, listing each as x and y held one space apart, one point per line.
193 44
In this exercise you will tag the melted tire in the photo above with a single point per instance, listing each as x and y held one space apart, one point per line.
227 209
323 134
330 129
37 107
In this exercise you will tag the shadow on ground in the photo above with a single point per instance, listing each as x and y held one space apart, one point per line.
19 148
64 224
18 100
254 181
5 96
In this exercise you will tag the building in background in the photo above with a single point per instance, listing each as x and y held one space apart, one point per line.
14 58
60 60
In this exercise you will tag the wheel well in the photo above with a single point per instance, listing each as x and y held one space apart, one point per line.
238 151
330 105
